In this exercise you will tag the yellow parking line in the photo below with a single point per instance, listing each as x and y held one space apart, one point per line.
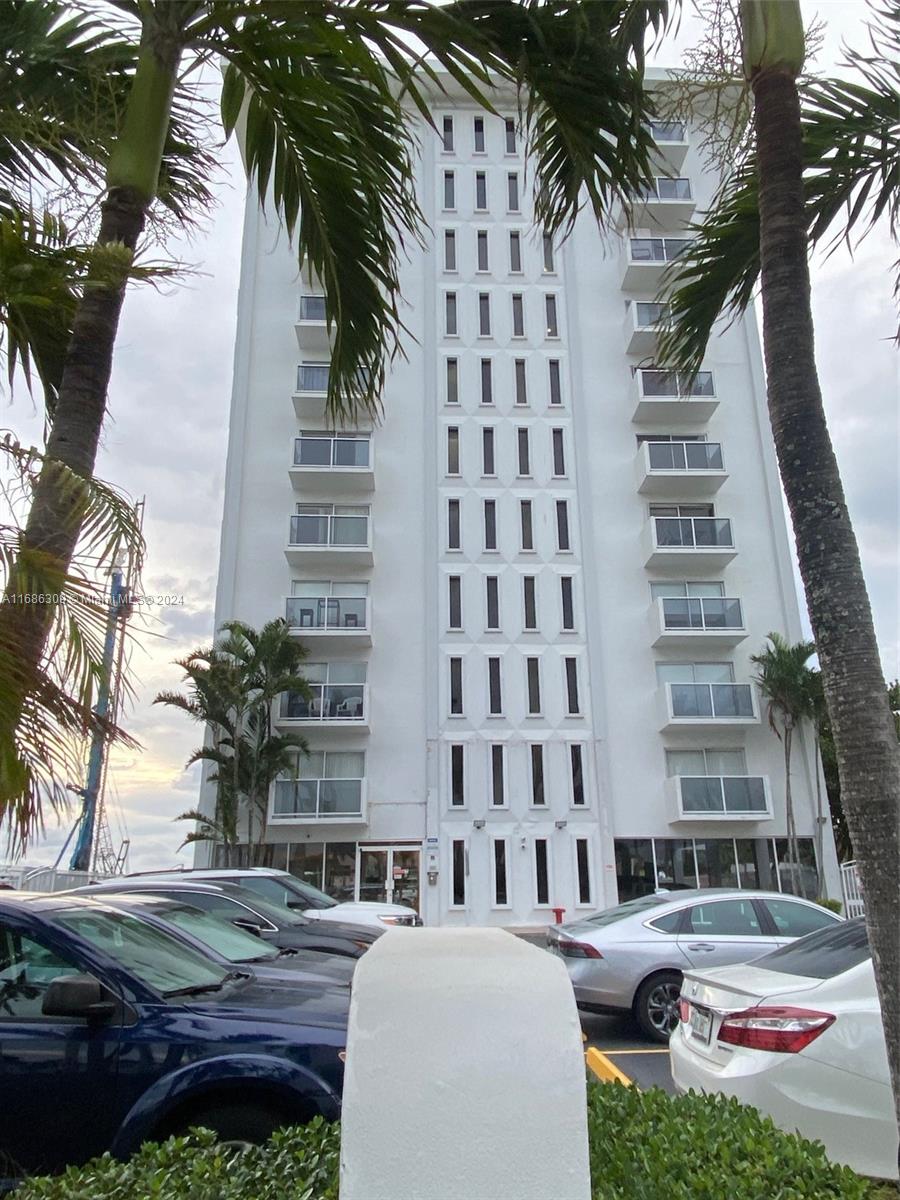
643 1050
606 1071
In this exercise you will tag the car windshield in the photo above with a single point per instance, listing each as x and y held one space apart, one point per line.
629 909
278 914
160 961
287 892
823 954
226 939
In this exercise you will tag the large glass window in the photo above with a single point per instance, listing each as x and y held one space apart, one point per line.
307 861
521 388
449 190
635 869
456 686
495 697
337 690
533 671
490 524
340 870
500 889
459 870
487 451
541 872
526 524
330 525
538 796
567 602
492 601
452 381
481 240
583 869
453 525
326 604
675 864
515 252
498 793
457 776
576 760
454 601
529 601
447 135
555 384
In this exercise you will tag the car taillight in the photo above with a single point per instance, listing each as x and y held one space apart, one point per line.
571 949
782 1030
684 1011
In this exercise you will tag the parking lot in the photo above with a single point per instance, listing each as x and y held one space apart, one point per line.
620 1040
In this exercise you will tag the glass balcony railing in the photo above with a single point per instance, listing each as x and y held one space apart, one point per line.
331 451
648 314
688 532
312 377
329 529
737 794
718 701
685 456
318 799
312 308
701 612
327 612
664 188
675 385
667 131
656 250
326 702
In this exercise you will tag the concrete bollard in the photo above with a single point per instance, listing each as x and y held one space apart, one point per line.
465 1076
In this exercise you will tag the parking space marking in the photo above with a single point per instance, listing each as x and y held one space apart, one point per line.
644 1050
605 1070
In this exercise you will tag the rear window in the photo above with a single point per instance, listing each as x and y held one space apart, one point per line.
629 909
823 954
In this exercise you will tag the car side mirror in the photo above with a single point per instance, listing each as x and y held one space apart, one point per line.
77 996
250 926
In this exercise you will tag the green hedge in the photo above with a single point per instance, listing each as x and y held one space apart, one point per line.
644 1146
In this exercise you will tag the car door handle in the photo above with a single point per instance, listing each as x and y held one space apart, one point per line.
701 946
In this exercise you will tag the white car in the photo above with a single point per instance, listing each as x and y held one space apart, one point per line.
798 1034
286 890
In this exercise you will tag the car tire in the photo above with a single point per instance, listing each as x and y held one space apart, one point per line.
237 1124
656 1005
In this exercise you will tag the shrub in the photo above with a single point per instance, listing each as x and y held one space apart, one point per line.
834 906
645 1145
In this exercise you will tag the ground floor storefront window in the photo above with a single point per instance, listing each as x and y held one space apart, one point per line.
645 864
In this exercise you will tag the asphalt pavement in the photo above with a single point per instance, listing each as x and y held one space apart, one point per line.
619 1038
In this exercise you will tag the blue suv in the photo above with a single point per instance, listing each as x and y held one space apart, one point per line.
113 1032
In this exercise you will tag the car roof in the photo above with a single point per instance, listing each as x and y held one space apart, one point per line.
126 884
206 873
46 901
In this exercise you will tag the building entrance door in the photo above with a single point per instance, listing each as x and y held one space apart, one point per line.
389 874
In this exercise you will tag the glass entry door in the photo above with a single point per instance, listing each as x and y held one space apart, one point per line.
389 875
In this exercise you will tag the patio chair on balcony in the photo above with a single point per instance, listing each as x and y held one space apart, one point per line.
351 707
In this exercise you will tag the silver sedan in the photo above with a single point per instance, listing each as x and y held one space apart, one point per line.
630 958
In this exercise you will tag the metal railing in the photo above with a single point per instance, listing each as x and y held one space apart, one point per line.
326 450
665 188
656 250
318 799
683 533
675 385
327 702
327 612
329 529
45 879
312 377
854 903
701 612
701 794
718 701
685 456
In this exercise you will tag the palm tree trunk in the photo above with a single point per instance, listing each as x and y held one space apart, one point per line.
820 818
866 744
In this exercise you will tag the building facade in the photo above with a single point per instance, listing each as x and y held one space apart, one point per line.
531 592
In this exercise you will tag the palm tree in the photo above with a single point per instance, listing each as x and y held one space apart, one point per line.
232 687
785 681
864 172
320 89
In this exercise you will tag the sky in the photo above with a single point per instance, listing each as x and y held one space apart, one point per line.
166 438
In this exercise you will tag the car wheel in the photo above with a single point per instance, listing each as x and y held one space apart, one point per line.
656 1005
237 1125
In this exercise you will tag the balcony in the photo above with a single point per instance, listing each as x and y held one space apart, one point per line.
341 706
643 321
718 798
680 470
645 260
706 621
707 706
320 801
667 396
333 463
312 389
688 543
311 328
330 535
330 621
671 141
666 204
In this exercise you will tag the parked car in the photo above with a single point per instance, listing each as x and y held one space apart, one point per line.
232 947
114 1032
273 923
280 887
798 1034
631 958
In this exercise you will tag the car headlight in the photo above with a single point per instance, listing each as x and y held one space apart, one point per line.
390 919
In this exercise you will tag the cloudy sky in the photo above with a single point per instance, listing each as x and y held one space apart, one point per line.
166 439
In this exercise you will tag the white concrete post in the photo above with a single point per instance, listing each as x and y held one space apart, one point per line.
465 1075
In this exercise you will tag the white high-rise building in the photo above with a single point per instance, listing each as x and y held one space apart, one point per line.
531 593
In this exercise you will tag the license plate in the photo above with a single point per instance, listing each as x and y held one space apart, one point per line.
701 1025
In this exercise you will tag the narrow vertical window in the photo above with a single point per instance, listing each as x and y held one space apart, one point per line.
452 381
568 603
454 586
449 250
541 872
559 453
450 325
582 863
521 388
457 776
518 316
562 525
527 530
450 190
500 890
533 672
481 243
487 450
492 598
456 687
484 314
480 191
452 524
529 601
552 322
459 873
524 450
453 450
490 524
512 192
577 763
478 130
487 382
537 774
498 795
509 131
515 252
548 254
447 134
495 696
555 385
573 708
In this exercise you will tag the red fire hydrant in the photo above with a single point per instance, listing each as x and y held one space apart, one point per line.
558 915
